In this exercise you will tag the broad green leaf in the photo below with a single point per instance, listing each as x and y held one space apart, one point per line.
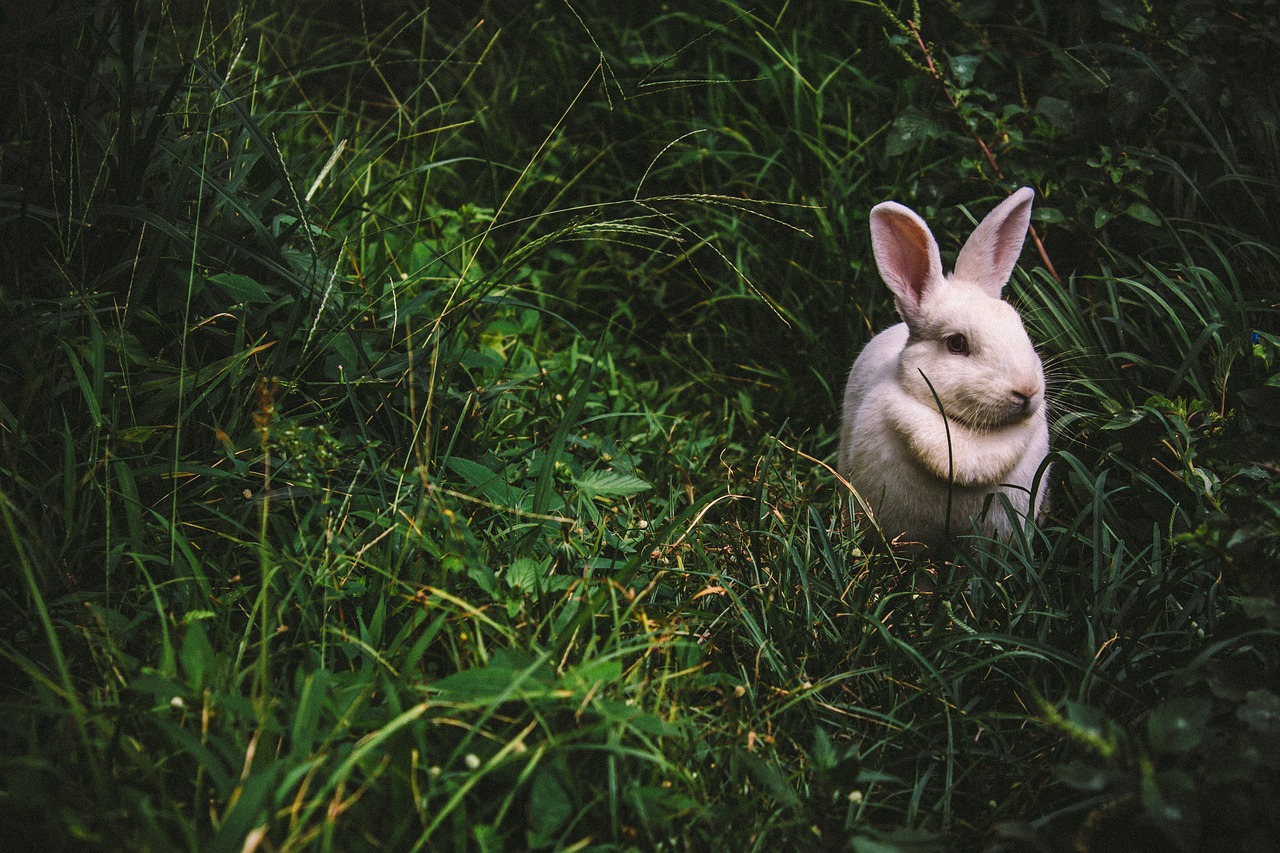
240 288
1178 725
473 472
1084 777
489 483
771 780
593 672
527 573
1056 111
197 655
478 683
649 724
1142 213
1122 14
1124 419
550 805
909 130
823 753
487 683
1048 215
963 67
611 484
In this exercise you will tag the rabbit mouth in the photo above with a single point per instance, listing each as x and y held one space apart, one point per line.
987 416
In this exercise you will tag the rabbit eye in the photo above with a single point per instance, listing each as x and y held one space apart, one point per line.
957 344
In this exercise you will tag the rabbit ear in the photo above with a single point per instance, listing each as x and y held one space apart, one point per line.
991 251
906 254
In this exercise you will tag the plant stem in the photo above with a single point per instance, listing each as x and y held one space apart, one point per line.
982 145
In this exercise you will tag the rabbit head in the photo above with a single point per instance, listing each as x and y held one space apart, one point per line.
965 344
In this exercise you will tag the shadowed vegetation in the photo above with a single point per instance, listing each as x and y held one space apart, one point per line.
414 428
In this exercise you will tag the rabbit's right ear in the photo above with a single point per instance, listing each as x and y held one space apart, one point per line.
906 254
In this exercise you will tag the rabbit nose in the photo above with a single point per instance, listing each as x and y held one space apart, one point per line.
1024 403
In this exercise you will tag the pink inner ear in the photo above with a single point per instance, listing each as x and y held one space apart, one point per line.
989 255
903 254
1009 239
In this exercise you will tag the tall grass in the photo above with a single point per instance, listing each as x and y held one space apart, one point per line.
413 433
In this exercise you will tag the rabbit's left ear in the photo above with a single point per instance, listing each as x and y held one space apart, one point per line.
992 250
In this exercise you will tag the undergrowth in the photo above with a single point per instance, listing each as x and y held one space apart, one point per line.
415 428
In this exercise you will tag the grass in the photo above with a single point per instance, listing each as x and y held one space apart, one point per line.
413 434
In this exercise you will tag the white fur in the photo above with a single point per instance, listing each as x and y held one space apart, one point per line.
894 447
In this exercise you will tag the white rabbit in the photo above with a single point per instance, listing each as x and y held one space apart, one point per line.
961 338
